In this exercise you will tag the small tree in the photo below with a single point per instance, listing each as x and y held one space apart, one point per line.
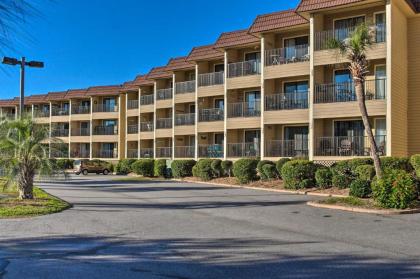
354 49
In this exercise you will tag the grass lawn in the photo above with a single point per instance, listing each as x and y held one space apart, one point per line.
356 202
42 204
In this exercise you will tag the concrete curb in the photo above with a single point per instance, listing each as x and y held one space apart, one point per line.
364 210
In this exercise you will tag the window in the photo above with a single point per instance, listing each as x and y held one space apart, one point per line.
252 56
299 138
252 105
219 139
252 136
296 47
109 102
380 82
296 87
343 27
343 87
219 68
380 24
219 103
192 108
109 123
353 128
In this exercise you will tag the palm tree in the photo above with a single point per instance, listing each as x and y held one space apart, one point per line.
354 49
24 153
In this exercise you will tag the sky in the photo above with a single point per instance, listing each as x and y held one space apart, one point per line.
105 42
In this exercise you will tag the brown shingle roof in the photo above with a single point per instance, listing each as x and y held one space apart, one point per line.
204 53
158 72
9 103
36 99
56 96
235 38
276 20
129 86
179 63
103 90
310 5
142 80
76 93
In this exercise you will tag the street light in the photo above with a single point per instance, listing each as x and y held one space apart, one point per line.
22 63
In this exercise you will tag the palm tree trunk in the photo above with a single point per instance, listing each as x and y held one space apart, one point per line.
26 183
360 94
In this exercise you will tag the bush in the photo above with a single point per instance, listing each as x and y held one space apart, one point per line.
245 170
360 188
227 168
160 169
280 163
182 168
270 171
341 181
323 178
342 173
64 164
260 168
216 166
195 171
396 189
415 163
365 172
396 163
123 167
204 170
144 167
298 174
354 163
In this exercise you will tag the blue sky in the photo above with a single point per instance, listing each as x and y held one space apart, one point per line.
102 42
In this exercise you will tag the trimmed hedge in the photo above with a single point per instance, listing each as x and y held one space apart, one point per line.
365 172
245 170
216 166
270 171
360 188
396 163
160 169
323 178
227 167
143 167
298 174
123 167
280 163
203 169
415 163
260 168
65 164
182 168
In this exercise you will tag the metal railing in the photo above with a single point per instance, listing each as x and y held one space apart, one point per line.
245 109
146 152
345 91
81 132
185 87
348 146
243 149
133 129
285 101
132 153
9 115
80 109
146 126
80 154
211 79
60 132
287 55
184 119
104 108
132 104
59 154
105 130
41 114
323 39
106 154
164 123
147 100
164 94
286 148
210 151
245 68
184 152
59 112
210 115
163 152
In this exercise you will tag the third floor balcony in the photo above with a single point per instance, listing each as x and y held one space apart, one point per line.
210 115
244 68
147 100
244 109
146 126
60 111
164 94
210 79
80 109
132 104
287 55
184 119
286 101
105 108
185 87
105 130
164 123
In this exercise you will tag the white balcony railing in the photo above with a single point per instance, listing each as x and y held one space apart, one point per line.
245 68
211 79
286 55
185 87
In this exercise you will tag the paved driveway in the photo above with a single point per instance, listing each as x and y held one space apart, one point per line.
178 230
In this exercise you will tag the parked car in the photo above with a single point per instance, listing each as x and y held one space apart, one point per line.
91 166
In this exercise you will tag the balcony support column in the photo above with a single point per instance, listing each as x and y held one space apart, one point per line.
262 108
91 129
70 113
196 115
138 124
173 115
311 134
154 119
225 137
49 142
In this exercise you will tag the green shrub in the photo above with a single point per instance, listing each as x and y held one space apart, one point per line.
123 167
245 170
160 169
144 167
343 174
298 174
280 163
195 171
182 168
396 163
204 169
415 163
354 163
396 189
360 188
260 168
270 171
227 167
64 164
323 178
365 172
216 166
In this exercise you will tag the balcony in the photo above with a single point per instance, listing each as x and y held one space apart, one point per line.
244 109
80 109
146 126
163 152
80 154
286 148
105 130
245 68
60 133
244 149
105 108
211 79
184 152
350 146
56 153
132 153
286 101
185 87
81 132
210 151
146 152
185 119
147 100
164 94
288 55
106 154
164 123
41 114
133 129
211 115
59 112
132 104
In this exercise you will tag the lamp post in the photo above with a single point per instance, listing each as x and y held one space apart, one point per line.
22 63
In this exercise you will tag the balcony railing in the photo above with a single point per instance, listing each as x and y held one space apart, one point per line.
80 109
211 79
210 151
286 55
163 152
59 112
243 149
184 152
133 129
60 132
164 94
147 100
286 101
185 87
104 108
132 153
105 130
41 114
146 152
245 68
184 119
146 126
323 38
210 115
348 146
59 153
80 154
245 109
286 148
132 104
106 154
164 123
9 115
345 91
81 132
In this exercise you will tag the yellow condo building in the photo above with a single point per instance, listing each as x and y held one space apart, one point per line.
273 90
